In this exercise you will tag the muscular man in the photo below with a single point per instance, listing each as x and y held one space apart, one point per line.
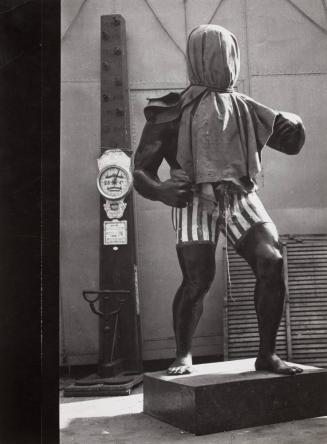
212 137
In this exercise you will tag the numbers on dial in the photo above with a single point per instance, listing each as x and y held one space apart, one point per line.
114 182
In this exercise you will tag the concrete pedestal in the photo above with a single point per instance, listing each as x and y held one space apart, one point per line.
232 395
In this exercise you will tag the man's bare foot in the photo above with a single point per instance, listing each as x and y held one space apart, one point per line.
274 364
181 366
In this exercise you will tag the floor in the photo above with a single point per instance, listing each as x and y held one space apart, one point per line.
120 420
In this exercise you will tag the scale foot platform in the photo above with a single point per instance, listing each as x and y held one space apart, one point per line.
231 395
94 385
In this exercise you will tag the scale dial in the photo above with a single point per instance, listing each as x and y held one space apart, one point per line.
114 182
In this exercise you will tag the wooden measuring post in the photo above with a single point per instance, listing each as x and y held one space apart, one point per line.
116 302
118 263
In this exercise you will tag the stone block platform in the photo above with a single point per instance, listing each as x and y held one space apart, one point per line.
231 395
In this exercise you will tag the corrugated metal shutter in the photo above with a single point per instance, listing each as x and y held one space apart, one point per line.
241 337
302 336
307 285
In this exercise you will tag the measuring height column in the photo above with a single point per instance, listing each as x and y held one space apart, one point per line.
118 259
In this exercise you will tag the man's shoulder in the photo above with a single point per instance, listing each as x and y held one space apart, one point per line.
163 109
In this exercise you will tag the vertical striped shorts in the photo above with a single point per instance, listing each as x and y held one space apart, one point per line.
235 215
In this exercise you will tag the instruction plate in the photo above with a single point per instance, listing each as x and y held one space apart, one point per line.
115 232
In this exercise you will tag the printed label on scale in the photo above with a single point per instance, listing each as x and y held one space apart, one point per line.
115 232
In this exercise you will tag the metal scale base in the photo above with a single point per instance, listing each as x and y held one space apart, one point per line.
94 385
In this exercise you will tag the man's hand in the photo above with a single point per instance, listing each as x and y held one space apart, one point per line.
175 193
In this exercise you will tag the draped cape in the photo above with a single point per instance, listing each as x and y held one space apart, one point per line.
221 131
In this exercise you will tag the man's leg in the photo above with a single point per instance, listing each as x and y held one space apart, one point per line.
260 249
197 262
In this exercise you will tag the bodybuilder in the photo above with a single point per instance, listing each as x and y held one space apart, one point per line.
212 138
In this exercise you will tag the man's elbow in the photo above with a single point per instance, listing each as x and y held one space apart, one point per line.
143 184
137 180
295 145
289 134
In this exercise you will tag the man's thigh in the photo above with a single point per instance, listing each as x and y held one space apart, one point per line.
261 243
197 262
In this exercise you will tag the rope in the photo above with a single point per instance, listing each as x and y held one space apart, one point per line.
185 22
226 244
215 11
324 5
74 20
164 28
304 14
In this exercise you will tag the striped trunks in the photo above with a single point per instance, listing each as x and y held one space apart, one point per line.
235 215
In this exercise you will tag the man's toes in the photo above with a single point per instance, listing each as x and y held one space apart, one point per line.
294 370
182 370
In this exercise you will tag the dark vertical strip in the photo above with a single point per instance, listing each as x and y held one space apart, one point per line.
189 222
50 131
203 61
209 221
29 156
217 230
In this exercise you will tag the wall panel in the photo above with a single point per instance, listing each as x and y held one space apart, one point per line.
277 44
296 181
282 41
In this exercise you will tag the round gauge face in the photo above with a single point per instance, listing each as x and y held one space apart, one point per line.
114 182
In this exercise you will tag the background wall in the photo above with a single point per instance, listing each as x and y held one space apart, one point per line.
284 65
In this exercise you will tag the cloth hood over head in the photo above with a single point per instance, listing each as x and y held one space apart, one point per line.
221 131
213 58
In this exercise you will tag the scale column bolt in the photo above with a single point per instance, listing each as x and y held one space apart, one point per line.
116 21
106 97
117 50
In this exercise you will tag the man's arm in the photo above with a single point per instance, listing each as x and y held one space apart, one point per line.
288 135
148 158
